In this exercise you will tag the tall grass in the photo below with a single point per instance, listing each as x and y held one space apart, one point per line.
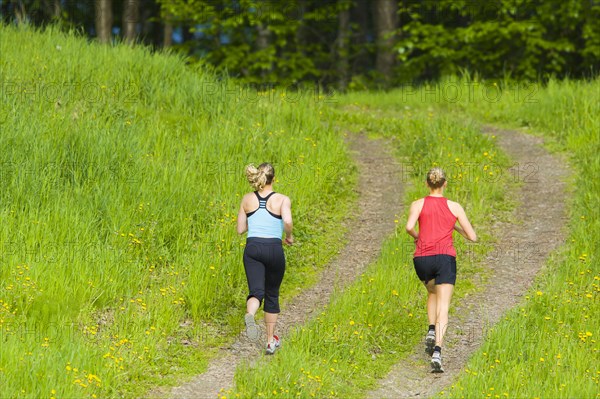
364 330
120 268
548 345
122 172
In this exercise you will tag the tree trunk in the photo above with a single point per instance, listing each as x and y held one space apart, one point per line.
262 43
301 31
150 30
52 9
262 39
57 9
168 35
131 16
385 15
360 15
20 13
104 19
342 48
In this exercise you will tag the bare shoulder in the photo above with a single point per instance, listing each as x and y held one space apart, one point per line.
248 200
416 207
455 207
247 197
277 202
281 197
418 203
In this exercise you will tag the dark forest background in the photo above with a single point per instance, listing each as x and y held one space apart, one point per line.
346 44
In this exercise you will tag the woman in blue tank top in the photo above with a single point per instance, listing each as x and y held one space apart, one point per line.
265 215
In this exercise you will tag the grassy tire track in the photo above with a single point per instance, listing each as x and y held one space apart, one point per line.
559 358
521 251
377 320
379 198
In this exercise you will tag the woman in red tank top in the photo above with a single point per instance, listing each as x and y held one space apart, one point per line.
435 257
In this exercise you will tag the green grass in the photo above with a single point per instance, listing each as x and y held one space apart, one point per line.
121 270
122 172
548 346
381 318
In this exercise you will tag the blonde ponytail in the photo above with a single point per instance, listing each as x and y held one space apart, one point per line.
436 178
261 176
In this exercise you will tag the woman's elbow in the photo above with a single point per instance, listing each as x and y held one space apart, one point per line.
473 237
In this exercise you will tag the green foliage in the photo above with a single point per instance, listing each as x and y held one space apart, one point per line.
519 39
258 41
507 38
282 43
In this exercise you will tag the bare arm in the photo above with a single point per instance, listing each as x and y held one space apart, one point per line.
286 216
242 220
413 216
460 231
465 228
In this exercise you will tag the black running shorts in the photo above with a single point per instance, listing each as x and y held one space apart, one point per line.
442 268
264 262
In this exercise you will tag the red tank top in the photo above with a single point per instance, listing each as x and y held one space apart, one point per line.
436 224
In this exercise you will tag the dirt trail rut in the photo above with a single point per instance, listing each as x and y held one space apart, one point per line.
379 201
521 251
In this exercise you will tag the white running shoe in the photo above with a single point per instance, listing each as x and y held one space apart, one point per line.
430 342
273 345
252 330
436 363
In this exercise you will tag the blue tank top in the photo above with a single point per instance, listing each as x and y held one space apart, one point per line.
262 222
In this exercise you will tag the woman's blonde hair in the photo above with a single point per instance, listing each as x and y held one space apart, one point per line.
436 178
261 176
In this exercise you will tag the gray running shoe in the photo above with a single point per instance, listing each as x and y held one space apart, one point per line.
273 345
252 330
430 342
436 363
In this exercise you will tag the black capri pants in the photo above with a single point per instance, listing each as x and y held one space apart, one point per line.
440 267
264 262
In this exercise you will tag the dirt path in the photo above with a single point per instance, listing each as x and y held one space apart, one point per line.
520 253
380 199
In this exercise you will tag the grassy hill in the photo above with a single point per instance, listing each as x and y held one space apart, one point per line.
122 172
120 269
